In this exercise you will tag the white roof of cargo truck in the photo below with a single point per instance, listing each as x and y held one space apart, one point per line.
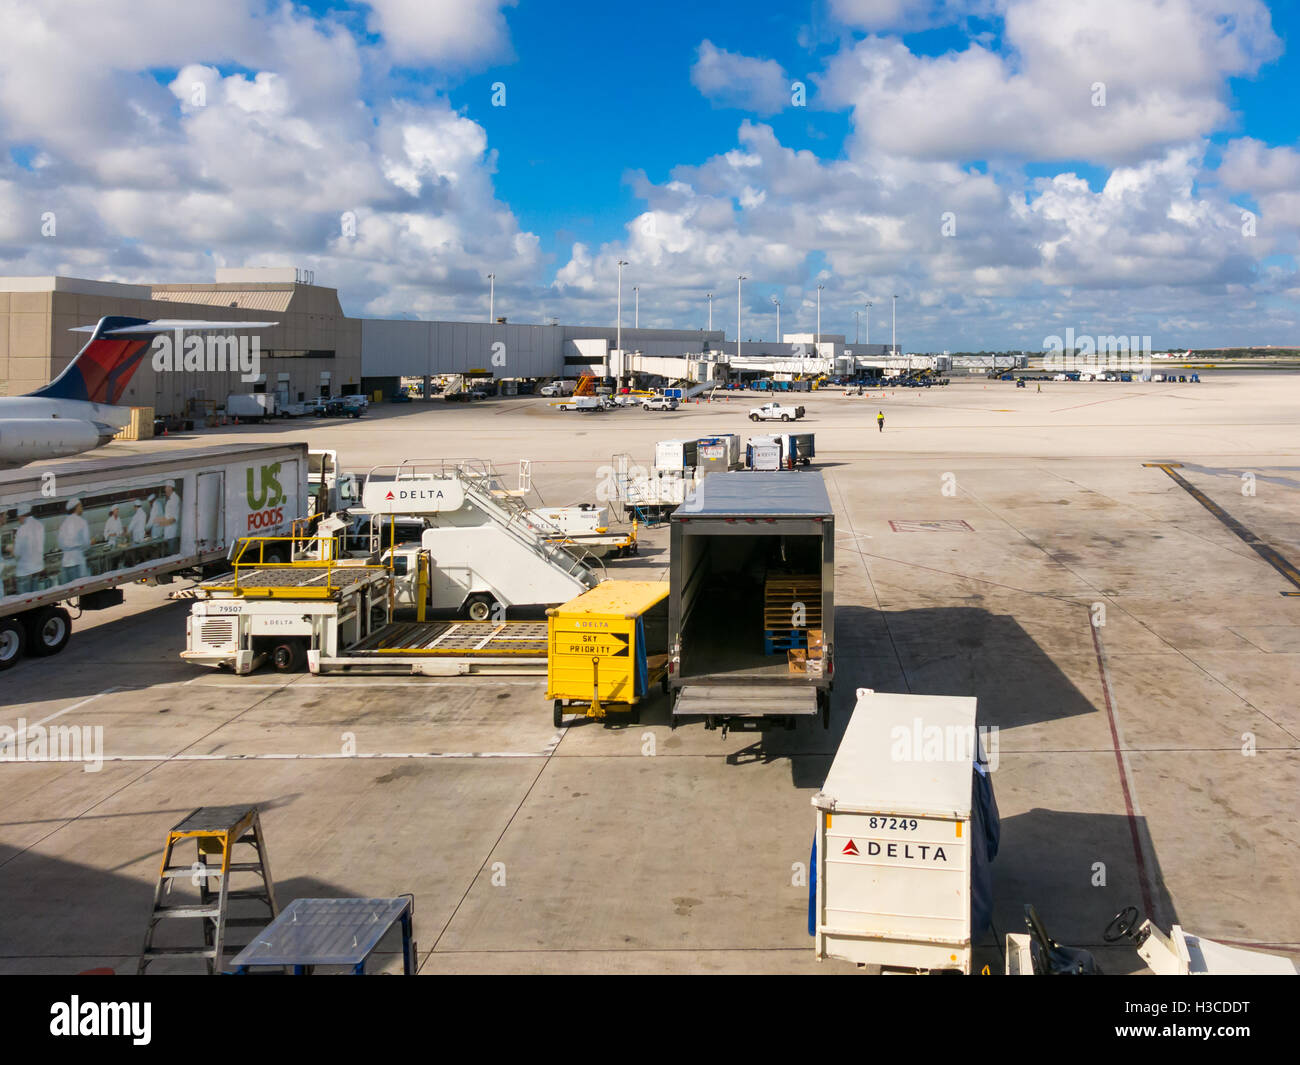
904 755
751 493
119 462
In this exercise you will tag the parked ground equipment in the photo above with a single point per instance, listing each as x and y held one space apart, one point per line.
216 831
781 451
718 453
330 933
253 406
488 550
906 829
739 535
607 649
327 614
1035 953
110 521
775 412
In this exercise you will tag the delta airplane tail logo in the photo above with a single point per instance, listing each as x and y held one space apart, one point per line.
103 367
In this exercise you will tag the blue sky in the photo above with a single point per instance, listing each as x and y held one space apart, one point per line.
950 151
594 92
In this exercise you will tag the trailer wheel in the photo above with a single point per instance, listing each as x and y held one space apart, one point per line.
479 607
288 656
557 713
634 714
13 639
48 631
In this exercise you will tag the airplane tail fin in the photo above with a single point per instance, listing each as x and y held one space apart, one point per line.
104 366
117 345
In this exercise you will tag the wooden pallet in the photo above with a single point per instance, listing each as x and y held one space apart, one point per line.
781 593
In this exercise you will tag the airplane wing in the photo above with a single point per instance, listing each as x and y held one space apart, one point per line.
169 325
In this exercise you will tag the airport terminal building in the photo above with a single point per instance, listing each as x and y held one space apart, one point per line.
313 350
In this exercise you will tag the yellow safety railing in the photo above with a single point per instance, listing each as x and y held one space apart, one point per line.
327 559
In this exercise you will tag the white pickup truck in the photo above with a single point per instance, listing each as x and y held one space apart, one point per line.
770 412
586 403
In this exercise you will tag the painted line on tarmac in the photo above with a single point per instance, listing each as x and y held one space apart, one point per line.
378 755
60 713
1274 558
1121 761
306 757
377 682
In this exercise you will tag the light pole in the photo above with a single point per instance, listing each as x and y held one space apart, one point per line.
893 332
817 344
636 314
710 298
778 318
618 342
739 279
492 297
868 340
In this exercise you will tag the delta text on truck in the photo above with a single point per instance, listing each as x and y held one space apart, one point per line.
72 533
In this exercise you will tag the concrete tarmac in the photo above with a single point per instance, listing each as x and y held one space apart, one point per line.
1138 658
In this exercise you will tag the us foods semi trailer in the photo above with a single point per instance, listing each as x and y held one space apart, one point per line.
71 533
752 605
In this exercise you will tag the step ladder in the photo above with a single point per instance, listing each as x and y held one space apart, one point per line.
216 831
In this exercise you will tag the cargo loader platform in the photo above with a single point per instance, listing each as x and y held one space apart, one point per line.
447 648
294 580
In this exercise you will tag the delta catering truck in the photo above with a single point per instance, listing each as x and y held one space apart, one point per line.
751 615
71 533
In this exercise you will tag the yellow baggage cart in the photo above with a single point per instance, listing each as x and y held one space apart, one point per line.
607 648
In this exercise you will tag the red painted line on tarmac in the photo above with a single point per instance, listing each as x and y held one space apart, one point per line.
1143 879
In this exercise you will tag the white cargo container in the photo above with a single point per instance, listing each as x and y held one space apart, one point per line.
721 452
584 519
764 453
676 454
896 830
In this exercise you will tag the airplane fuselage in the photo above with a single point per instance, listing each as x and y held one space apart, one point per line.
104 414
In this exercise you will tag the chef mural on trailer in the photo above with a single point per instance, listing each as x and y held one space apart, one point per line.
46 543
55 540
